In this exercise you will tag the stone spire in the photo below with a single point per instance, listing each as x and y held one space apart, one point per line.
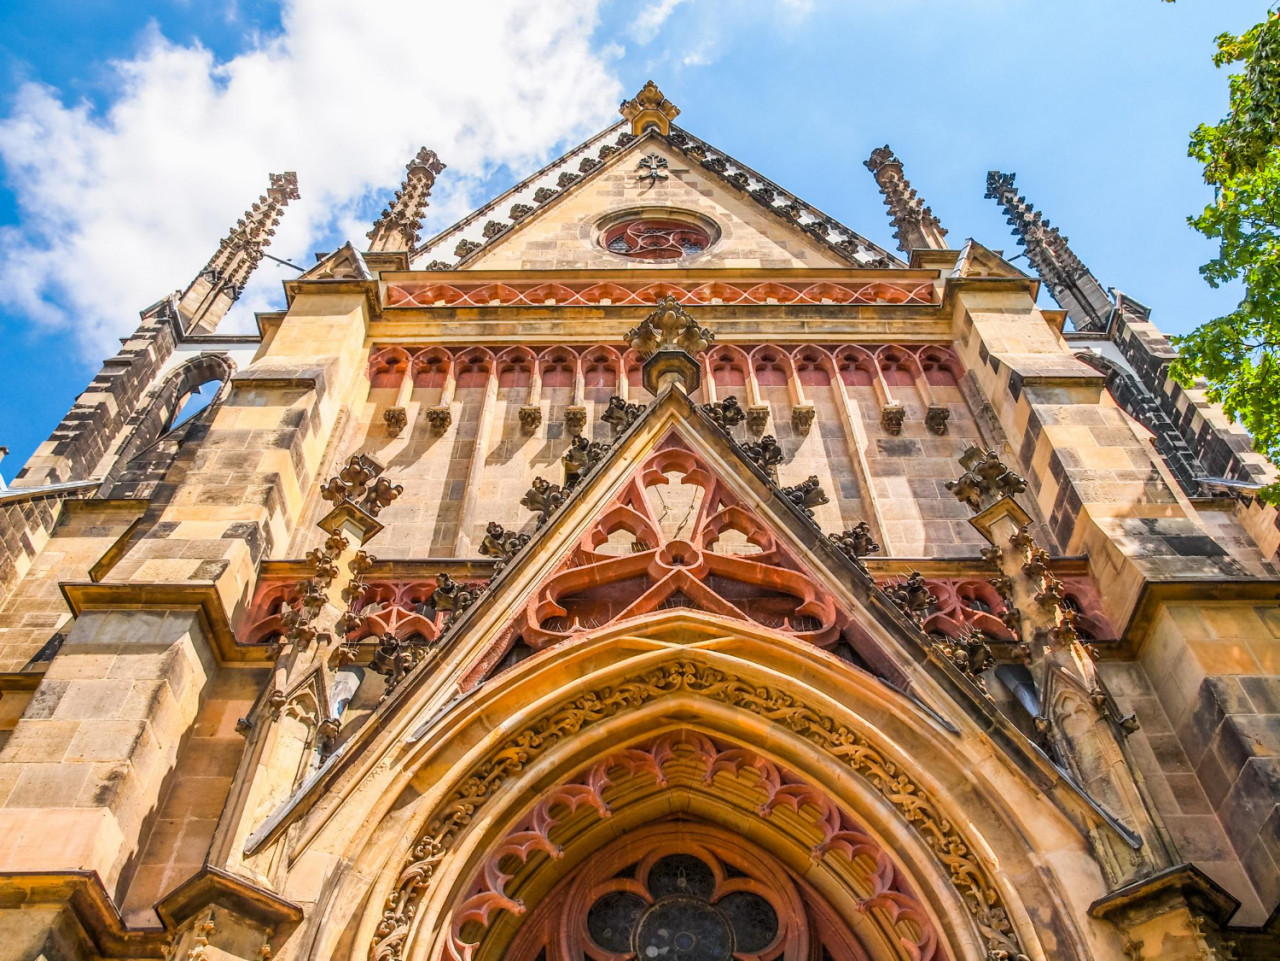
1075 289
649 108
397 228
915 226
222 280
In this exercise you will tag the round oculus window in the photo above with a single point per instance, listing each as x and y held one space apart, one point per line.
651 238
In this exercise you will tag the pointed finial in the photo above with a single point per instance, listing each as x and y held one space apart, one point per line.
915 226
223 278
397 228
649 108
1075 289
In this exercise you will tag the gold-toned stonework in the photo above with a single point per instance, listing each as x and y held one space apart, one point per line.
971 880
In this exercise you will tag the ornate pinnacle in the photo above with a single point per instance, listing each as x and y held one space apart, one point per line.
668 339
397 227
649 108
1074 288
914 224
223 278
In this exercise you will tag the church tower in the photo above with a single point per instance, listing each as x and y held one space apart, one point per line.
647 566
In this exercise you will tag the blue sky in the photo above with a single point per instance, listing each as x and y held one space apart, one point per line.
132 135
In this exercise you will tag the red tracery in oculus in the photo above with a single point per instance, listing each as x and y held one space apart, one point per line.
646 239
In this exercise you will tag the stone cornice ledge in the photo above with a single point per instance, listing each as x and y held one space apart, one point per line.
159 596
100 923
1151 896
215 887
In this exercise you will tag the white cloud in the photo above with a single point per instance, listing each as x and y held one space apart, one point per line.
650 19
118 209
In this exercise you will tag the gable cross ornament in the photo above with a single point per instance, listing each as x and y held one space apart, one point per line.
652 168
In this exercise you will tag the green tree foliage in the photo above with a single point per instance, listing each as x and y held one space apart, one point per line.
1239 354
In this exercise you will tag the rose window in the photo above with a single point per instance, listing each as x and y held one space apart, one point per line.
651 239
678 910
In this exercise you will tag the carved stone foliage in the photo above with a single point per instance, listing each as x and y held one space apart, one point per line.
757 418
396 419
912 597
765 454
986 479
620 415
974 603
676 536
502 544
852 750
579 458
544 498
603 889
855 543
725 414
358 482
572 293
669 327
936 417
806 495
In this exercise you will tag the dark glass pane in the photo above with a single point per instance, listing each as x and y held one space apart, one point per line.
612 920
684 929
681 874
754 922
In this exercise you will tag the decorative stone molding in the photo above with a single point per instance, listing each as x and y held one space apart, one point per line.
891 417
802 418
396 419
806 495
439 418
575 420
530 418
936 417
757 418
955 853
649 108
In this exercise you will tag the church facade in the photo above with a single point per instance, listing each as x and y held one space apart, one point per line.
648 566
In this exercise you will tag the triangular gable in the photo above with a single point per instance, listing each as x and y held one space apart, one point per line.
773 228
566 232
671 437
738 549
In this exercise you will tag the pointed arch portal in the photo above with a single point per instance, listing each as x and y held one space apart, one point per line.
676 753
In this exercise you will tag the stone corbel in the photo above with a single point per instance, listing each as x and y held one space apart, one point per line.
891 417
396 419
757 418
439 418
575 420
802 416
530 418
936 417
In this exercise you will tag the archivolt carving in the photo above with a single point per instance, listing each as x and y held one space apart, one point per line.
970 879
684 756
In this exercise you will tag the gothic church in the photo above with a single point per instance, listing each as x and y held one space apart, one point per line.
650 567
